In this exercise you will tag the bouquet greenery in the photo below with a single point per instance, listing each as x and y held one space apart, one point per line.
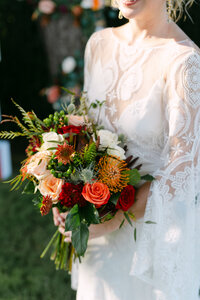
78 167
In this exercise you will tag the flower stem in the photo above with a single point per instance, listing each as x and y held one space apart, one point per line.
50 243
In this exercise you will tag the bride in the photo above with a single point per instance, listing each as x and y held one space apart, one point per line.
148 71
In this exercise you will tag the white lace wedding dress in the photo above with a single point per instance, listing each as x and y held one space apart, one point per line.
152 96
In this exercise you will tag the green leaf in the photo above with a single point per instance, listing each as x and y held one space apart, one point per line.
52 148
127 218
148 177
29 188
68 91
134 176
135 234
61 143
108 217
80 239
114 198
132 216
37 200
122 223
90 214
73 220
150 222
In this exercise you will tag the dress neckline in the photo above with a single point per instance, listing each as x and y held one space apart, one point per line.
115 37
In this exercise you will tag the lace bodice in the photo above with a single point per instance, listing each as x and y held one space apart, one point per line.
152 96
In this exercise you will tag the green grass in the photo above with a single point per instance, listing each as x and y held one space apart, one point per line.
23 236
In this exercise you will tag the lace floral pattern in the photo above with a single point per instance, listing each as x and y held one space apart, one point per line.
157 106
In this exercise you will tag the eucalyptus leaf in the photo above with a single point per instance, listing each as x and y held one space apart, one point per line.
80 239
29 188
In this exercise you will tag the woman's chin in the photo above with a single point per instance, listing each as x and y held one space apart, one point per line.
129 15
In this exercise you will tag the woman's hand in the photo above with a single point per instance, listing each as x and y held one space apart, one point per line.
138 208
58 218
98 230
95 231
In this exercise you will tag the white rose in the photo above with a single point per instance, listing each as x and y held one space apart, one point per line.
117 151
51 140
68 64
107 139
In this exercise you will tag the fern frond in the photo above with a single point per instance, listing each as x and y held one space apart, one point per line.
90 153
77 160
27 120
30 124
23 128
10 134
38 122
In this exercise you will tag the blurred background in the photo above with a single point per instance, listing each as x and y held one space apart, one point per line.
41 49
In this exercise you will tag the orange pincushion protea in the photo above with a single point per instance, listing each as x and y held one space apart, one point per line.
64 152
112 173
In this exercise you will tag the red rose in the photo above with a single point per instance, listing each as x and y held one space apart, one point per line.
70 129
127 198
71 195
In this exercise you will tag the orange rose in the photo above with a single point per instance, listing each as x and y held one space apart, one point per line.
96 193
51 186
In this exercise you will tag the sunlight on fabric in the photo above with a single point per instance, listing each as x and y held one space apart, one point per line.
159 295
173 235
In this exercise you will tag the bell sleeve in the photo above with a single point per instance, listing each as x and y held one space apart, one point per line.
167 253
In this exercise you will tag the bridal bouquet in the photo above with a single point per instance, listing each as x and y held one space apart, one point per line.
78 167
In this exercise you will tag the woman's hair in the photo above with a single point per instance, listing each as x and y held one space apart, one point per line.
176 8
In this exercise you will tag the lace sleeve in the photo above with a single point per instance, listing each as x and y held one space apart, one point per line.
90 51
168 252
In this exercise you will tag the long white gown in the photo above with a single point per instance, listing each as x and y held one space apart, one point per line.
152 95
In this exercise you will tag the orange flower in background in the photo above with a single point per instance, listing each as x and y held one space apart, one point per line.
96 4
96 193
112 172
64 152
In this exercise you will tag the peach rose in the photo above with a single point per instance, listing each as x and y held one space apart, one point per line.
76 120
96 193
51 186
37 165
